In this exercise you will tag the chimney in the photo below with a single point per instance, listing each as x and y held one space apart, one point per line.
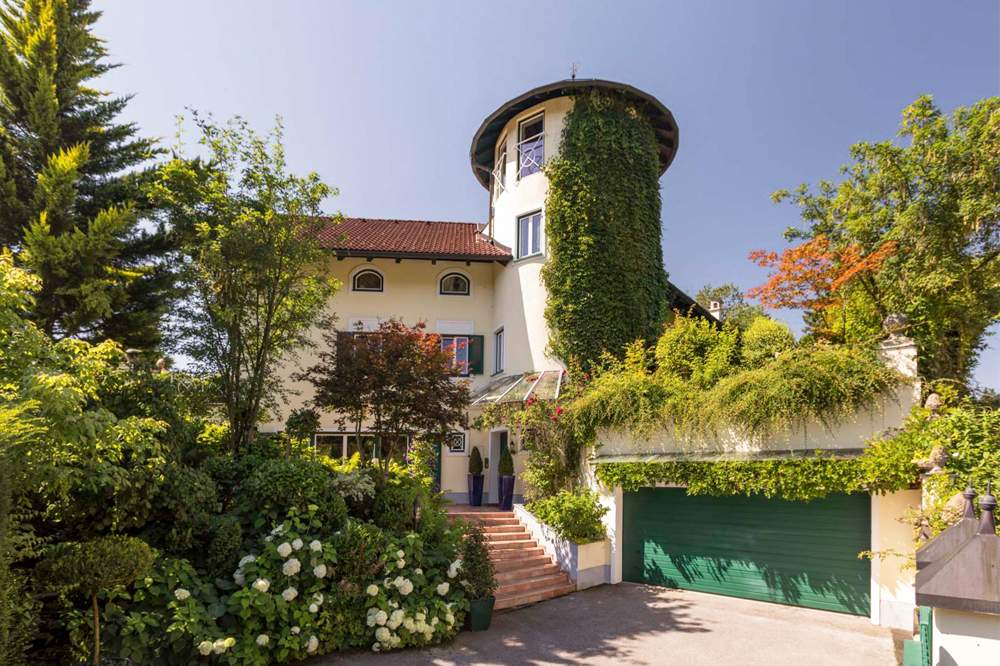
715 309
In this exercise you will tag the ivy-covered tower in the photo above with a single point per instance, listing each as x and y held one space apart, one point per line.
572 169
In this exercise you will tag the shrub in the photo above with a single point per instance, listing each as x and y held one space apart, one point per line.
95 566
186 502
574 515
224 545
697 351
475 462
763 340
18 616
477 567
396 496
277 486
506 466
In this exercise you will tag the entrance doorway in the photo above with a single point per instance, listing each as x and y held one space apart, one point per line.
498 446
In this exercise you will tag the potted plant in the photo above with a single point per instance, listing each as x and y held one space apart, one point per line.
477 569
96 566
506 470
475 478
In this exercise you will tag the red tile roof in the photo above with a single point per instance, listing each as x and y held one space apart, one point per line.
361 236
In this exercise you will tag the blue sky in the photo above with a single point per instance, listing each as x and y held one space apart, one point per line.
382 98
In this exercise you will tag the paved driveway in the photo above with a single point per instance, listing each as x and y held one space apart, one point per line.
639 624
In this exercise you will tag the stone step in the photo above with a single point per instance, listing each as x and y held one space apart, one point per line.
482 515
508 519
517 552
527 572
508 536
512 544
533 596
504 529
530 583
521 563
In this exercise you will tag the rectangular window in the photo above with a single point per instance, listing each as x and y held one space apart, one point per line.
529 235
329 445
500 170
458 347
530 146
498 352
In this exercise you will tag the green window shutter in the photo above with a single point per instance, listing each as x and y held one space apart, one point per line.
475 354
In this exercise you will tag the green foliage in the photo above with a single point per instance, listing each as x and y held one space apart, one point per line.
97 565
574 515
396 497
70 187
912 228
506 465
225 541
277 486
477 567
602 228
475 462
763 340
250 234
19 616
700 389
186 501
694 350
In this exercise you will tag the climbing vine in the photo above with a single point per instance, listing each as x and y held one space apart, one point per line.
603 231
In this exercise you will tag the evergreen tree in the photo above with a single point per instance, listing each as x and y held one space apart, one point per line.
71 178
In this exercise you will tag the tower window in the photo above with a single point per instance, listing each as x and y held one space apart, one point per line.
529 235
500 169
498 351
530 145
367 280
455 284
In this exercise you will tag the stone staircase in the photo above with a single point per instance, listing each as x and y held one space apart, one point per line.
525 573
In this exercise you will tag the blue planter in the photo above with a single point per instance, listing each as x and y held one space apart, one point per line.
506 493
476 489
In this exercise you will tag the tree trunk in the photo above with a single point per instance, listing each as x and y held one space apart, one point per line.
97 631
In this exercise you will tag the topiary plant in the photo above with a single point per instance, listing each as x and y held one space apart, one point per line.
93 567
477 567
475 462
506 463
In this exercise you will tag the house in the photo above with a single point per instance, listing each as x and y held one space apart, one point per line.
476 284
479 287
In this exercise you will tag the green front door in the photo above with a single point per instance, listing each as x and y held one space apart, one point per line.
797 553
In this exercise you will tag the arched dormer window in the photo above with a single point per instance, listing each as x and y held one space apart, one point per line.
455 284
367 280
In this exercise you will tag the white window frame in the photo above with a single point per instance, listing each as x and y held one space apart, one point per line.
465 443
500 168
541 239
461 372
361 271
468 285
521 142
498 351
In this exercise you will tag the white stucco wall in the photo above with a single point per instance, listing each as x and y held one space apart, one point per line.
893 598
965 639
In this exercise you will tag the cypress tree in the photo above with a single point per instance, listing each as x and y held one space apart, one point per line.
71 179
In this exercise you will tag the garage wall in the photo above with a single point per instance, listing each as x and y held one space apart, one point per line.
893 595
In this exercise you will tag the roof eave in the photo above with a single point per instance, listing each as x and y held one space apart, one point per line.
343 253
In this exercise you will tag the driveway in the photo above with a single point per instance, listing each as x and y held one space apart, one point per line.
640 624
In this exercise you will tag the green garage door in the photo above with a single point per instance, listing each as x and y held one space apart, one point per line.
797 553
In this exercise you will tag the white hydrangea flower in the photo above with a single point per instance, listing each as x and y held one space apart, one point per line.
312 644
245 560
291 567
269 538
408 624
394 604
263 640
239 578
313 608
181 594
319 571
219 646
381 617
278 530
399 554
406 588
297 544
289 594
395 619
434 621
382 635
315 546
318 598
442 589
376 647
262 585
295 631
372 590
449 618
400 564
205 648
285 549
418 571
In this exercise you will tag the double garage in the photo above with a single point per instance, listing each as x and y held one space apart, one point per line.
796 553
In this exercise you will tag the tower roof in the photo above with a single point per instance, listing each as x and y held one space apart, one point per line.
485 139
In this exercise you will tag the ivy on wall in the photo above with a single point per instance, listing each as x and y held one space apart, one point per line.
604 274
